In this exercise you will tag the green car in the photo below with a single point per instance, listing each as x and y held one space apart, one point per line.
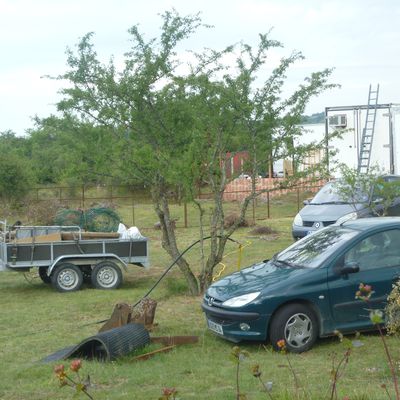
308 290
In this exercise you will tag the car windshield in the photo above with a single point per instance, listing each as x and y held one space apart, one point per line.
313 250
331 193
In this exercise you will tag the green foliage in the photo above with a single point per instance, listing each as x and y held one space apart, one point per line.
15 178
66 150
370 189
355 187
392 310
384 193
376 316
177 125
175 128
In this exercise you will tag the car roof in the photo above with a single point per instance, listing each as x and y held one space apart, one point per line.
391 178
363 224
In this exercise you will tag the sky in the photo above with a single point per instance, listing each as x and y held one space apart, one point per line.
360 39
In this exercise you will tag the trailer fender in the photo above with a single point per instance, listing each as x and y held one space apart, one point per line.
71 258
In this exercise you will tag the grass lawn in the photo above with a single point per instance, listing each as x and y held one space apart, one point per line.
37 321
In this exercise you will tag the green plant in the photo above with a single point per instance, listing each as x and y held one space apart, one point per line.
168 394
263 230
238 356
282 346
338 367
392 310
267 386
80 386
376 316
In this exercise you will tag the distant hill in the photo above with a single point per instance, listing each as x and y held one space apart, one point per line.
318 118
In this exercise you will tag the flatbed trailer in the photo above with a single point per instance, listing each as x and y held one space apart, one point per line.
66 256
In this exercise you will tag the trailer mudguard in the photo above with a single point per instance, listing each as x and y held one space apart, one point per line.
71 257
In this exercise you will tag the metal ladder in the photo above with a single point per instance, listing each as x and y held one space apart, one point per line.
368 131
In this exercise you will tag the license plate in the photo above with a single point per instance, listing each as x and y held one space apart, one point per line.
217 328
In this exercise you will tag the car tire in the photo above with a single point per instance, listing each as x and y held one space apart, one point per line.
297 325
106 275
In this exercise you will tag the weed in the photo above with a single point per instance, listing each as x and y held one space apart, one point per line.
231 219
168 394
65 379
238 356
262 230
376 316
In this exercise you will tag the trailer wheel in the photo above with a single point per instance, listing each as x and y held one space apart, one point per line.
67 277
106 275
43 275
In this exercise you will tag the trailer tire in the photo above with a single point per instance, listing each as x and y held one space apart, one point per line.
106 275
67 277
43 275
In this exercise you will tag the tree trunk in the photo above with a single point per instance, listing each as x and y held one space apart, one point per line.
218 237
160 201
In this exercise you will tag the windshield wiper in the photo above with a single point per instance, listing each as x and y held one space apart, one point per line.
335 202
287 263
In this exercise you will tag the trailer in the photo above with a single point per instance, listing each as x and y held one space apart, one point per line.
66 256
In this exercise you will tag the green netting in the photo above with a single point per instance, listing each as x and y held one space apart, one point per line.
99 219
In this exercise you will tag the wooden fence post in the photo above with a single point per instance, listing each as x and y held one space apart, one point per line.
298 199
133 212
83 197
185 215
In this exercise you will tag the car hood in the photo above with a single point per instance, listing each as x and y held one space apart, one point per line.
259 277
328 212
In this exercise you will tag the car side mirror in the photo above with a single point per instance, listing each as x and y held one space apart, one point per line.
306 202
350 268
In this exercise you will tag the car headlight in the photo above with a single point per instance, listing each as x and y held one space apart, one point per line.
351 216
241 300
298 220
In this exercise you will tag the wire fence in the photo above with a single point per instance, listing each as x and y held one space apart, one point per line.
136 209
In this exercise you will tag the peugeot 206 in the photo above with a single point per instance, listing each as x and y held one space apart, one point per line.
308 290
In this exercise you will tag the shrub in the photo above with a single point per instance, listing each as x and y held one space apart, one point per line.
231 219
392 310
39 212
262 230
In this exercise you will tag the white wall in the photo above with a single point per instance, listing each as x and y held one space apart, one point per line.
348 145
